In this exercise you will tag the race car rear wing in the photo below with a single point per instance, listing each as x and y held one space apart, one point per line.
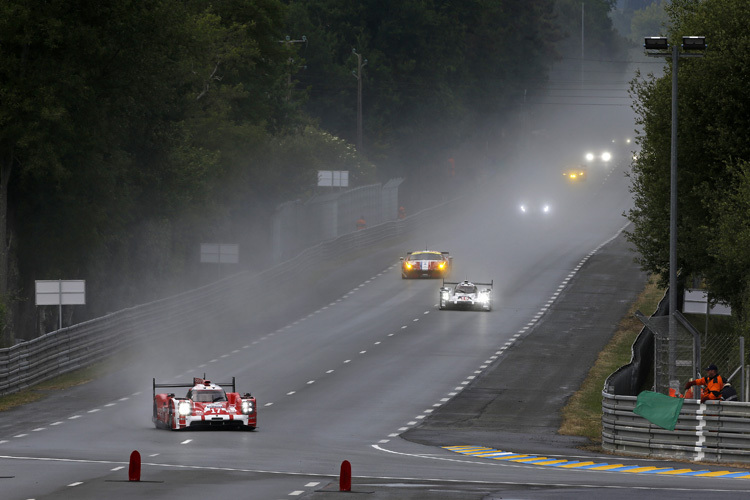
490 284
192 384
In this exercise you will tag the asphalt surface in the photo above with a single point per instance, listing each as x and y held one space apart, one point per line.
516 404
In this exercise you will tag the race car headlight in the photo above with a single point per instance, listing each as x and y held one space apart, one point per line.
545 209
606 156
484 298
247 407
589 156
441 265
183 408
523 208
407 265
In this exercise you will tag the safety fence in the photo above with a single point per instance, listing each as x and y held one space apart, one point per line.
717 431
297 225
81 345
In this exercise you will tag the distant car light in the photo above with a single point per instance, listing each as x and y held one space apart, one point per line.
606 156
589 156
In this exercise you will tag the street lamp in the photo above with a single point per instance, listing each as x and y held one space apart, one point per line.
659 47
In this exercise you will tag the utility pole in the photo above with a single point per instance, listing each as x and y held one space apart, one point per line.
289 41
660 47
358 76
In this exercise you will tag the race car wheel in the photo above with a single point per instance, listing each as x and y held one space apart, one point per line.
157 424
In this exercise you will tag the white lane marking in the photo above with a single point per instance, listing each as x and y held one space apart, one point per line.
310 485
186 441
38 429
74 417
310 382
296 493
117 468
93 411
268 404
76 483
290 393
329 371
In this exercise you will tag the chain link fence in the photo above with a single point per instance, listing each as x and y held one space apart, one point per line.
699 339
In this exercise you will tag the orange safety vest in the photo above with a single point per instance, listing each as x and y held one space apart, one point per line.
361 224
711 387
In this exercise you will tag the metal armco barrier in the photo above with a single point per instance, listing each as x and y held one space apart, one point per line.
717 431
78 346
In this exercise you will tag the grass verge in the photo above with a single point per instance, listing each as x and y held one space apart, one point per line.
70 379
582 416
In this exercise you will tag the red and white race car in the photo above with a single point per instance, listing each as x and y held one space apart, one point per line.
205 405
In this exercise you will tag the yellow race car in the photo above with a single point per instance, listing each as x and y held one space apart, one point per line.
576 173
426 264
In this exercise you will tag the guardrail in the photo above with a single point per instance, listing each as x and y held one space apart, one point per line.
717 431
78 346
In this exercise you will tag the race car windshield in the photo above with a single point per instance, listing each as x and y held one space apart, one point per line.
209 396
425 256
466 289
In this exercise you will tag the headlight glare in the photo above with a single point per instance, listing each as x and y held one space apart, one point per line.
183 408
247 407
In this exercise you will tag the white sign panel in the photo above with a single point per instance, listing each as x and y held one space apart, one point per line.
60 292
695 303
333 178
217 253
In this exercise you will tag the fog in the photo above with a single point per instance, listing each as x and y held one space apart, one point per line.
551 132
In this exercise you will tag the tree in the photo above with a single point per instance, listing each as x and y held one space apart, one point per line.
714 140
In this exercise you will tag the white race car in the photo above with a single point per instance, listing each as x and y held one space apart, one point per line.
465 295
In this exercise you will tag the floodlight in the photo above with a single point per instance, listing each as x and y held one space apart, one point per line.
656 43
694 42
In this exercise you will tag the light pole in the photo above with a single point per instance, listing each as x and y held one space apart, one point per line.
287 40
358 76
660 48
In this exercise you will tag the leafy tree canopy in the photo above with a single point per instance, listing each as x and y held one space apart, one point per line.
714 143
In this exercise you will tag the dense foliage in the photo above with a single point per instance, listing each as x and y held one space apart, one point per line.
713 154
131 131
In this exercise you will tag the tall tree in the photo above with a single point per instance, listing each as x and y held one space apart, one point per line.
714 137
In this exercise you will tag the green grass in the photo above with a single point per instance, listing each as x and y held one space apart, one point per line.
583 413
66 381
